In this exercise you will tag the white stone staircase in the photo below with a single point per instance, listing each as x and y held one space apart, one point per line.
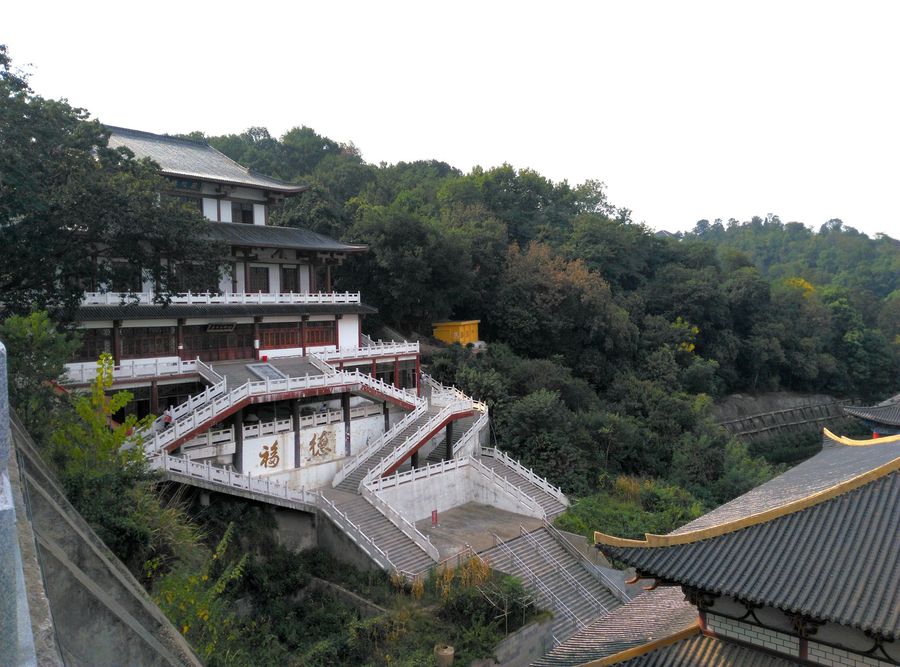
550 497
351 481
565 583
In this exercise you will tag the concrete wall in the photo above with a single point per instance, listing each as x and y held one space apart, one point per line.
296 530
415 500
336 543
525 645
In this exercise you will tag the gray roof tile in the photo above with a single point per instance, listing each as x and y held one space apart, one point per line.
834 464
883 414
650 616
266 236
702 651
836 561
194 159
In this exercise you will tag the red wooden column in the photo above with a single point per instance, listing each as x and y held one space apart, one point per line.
303 321
179 338
295 417
337 332
256 341
345 407
154 397
117 342
397 372
374 367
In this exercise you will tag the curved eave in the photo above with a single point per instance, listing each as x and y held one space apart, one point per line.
281 188
653 541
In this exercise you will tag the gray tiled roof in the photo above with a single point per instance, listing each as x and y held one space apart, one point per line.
834 464
265 236
883 414
127 312
194 159
838 560
702 651
649 616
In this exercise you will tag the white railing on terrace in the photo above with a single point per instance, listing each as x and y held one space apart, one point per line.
523 499
131 369
231 479
423 472
399 452
527 473
379 349
212 438
208 373
549 596
380 441
471 438
355 533
204 408
215 298
559 567
405 526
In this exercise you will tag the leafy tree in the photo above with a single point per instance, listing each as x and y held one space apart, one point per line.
70 205
36 356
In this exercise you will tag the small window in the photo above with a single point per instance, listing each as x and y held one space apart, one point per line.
242 212
259 279
289 282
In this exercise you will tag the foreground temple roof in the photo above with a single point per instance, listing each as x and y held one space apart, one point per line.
648 617
883 414
697 650
194 159
832 554
839 461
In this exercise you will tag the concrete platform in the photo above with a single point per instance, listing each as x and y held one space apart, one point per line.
238 372
474 524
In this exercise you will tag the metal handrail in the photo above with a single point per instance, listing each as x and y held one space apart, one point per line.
540 585
611 584
568 576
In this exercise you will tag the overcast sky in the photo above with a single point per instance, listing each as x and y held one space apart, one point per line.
686 110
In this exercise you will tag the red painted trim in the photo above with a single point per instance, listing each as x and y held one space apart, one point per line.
422 441
285 395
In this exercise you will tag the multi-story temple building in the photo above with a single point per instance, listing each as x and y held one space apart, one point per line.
803 569
272 309
881 419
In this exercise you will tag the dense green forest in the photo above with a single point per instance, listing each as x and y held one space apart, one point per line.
607 346
607 342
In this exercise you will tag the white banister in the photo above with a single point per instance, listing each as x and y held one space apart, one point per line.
405 526
527 473
215 298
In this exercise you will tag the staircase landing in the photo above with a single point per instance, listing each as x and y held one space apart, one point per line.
472 524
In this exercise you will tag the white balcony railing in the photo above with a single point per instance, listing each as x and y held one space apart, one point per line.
375 350
215 298
231 479
527 473
132 369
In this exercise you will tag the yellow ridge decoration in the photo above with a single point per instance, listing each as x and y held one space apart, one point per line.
652 540
844 440
643 649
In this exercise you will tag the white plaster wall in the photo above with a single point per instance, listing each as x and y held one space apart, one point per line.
415 500
259 214
308 477
239 272
210 209
348 331
754 634
362 431
247 193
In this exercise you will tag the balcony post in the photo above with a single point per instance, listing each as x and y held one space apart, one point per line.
387 416
154 397
117 342
179 338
